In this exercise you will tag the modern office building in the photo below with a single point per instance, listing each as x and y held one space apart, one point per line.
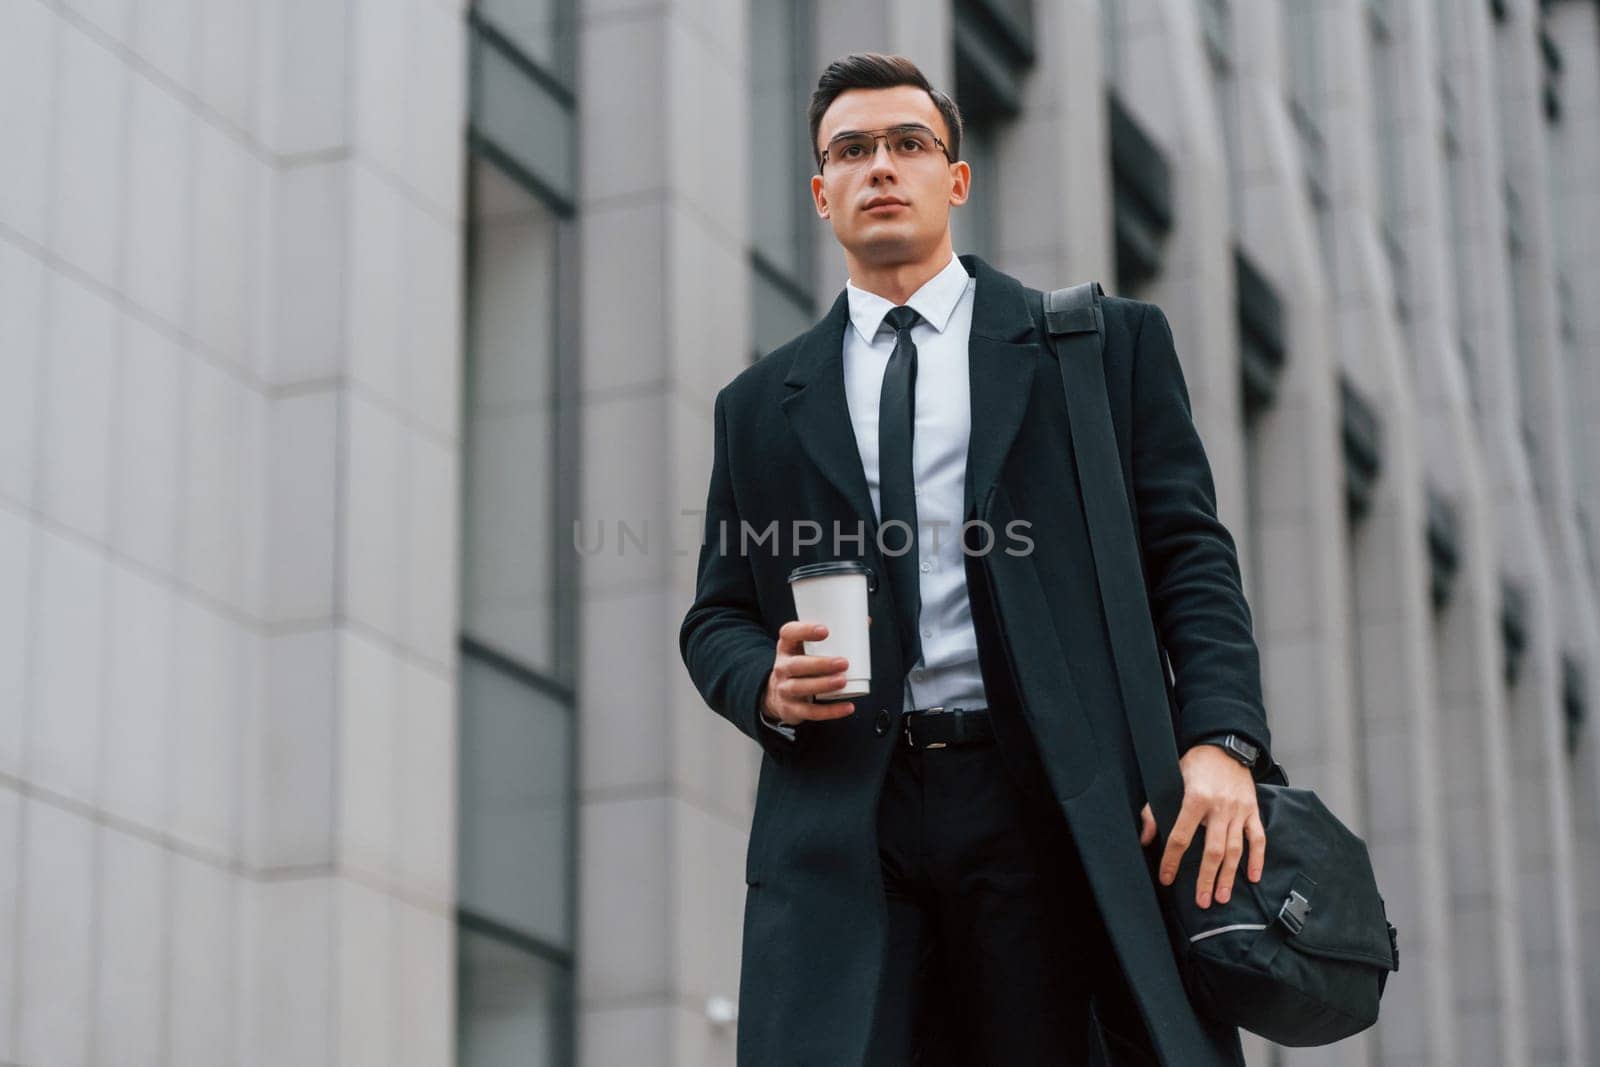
356 369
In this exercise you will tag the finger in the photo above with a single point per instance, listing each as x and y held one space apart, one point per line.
1215 847
1178 840
1230 861
1258 846
1147 826
806 710
792 635
810 666
805 688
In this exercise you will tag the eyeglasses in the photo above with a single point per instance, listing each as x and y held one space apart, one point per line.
853 150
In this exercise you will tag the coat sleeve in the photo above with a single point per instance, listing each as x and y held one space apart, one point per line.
1196 593
723 639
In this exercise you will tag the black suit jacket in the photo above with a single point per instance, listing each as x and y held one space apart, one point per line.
784 450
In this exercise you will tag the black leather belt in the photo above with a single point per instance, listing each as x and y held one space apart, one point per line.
941 727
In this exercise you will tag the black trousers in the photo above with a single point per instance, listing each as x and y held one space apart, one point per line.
996 951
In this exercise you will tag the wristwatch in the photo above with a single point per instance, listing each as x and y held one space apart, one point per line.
1237 747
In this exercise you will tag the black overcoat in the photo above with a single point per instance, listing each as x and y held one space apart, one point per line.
785 451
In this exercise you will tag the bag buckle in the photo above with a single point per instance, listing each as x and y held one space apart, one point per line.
1293 912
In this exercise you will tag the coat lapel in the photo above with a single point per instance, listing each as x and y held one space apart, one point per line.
820 415
1002 353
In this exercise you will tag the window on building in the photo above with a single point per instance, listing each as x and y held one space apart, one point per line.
1303 45
973 227
515 805
540 30
993 54
1382 56
1216 23
511 999
1113 34
1516 243
783 217
522 113
1455 179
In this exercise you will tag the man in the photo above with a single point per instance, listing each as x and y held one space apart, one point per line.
941 886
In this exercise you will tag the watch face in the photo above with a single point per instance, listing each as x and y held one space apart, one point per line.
1243 751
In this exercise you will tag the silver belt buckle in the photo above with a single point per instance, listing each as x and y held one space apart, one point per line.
935 710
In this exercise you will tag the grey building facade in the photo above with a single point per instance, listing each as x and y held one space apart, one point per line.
356 369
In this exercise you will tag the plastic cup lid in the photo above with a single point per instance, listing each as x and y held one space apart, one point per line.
832 567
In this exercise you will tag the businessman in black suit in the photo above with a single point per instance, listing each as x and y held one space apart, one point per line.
952 868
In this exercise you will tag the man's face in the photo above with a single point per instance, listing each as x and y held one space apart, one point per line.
890 207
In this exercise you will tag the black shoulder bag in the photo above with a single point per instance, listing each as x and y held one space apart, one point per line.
1302 956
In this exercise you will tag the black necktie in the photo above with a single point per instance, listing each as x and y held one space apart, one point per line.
896 416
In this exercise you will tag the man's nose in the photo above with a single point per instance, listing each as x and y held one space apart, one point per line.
882 158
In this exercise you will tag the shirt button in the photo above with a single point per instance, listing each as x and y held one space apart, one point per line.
927 633
926 567
880 724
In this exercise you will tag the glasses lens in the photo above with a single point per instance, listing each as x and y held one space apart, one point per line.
905 142
912 140
851 149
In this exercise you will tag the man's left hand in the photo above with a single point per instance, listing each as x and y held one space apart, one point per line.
1219 793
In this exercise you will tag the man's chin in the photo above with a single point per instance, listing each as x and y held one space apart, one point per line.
883 247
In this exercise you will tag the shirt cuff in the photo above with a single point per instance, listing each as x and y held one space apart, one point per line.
782 728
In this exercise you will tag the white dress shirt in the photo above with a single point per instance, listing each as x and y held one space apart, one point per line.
947 674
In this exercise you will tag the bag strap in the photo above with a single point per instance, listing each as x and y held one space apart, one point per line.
1076 327
1074 316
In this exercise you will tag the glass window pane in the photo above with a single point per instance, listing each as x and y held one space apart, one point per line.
523 119
509 533
780 159
778 315
516 845
540 29
1112 34
973 223
1216 23
514 1006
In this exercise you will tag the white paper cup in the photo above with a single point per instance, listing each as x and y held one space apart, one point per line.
835 595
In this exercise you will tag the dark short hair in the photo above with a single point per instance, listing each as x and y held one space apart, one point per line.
874 70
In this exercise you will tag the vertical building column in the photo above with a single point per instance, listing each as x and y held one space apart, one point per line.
1538 272
1166 85
1530 701
1297 514
1474 786
1055 218
350 758
1575 212
665 785
1396 713
227 270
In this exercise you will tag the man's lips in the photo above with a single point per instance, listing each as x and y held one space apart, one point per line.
885 206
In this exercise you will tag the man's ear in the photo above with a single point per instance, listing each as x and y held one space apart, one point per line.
960 182
820 197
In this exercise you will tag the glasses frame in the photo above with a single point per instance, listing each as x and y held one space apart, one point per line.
882 134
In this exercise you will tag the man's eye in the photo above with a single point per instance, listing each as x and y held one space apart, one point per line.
912 144
849 149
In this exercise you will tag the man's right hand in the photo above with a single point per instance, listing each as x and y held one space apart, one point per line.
796 678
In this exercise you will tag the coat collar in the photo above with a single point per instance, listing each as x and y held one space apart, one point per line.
1002 351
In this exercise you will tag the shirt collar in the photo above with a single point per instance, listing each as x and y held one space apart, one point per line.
936 301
